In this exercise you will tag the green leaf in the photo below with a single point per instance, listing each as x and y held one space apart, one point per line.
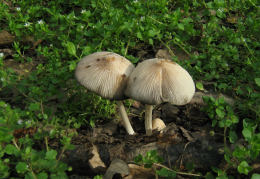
43 164
139 35
199 85
228 123
151 153
92 123
72 65
234 119
34 107
28 150
257 81
214 122
4 170
255 176
180 26
240 153
150 41
138 159
98 177
147 164
221 100
222 123
247 133
227 158
51 155
29 175
59 175
163 172
220 113
42 175
209 175
21 167
189 166
244 168
151 33
11 149
232 137
222 177
132 58
86 50
71 48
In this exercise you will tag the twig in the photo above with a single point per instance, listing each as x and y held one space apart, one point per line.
132 114
179 173
183 152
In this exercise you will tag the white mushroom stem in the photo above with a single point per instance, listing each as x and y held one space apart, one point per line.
148 119
124 116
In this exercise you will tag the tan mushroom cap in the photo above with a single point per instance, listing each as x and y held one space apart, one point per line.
158 124
155 81
104 73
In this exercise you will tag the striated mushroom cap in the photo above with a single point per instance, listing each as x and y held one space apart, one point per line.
104 73
155 81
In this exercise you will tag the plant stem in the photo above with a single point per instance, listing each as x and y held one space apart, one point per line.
33 174
59 158
46 143
126 49
167 46
125 118
180 45
180 173
155 20
225 140
148 119
30 167
15 144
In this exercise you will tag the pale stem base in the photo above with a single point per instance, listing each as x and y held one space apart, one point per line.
148 119
124 117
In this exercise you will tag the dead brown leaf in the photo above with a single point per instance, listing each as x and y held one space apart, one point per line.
6 38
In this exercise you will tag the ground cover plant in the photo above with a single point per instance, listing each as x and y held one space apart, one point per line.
41 103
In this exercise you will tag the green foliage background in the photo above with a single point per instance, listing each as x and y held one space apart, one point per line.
220 39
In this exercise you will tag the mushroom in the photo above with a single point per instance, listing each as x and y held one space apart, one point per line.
106 74
158 124
155 81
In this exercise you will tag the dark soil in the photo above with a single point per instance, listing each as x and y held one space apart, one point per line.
184 142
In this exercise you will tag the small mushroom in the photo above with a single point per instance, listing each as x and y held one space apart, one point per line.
106 74
155 81
158 124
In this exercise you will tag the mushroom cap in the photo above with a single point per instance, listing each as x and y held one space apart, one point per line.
158 124
104 73
155 81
